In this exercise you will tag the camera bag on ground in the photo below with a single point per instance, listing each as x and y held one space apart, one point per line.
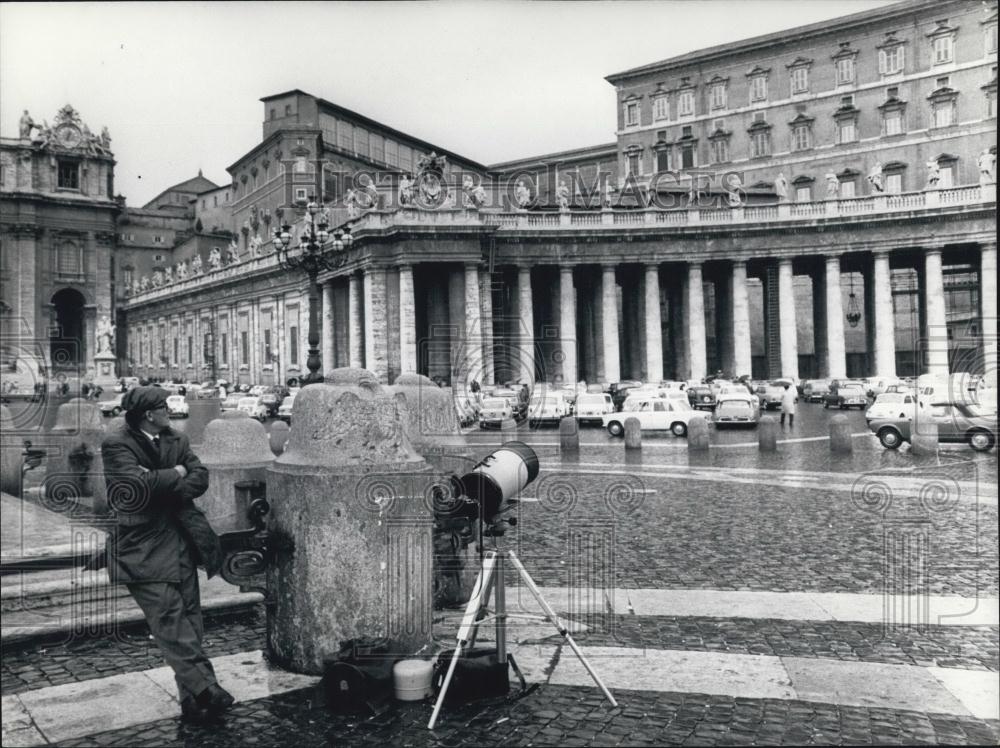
358 678
479 674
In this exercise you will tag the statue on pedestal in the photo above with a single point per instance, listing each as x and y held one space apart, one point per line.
105 336
875 177
987 165
781 188
157 278
733 186
475 195
215 259
196 265
144 284
405 191
254 247
351 203
168 275
26 125
832 186
562 195
182 270
522 195
933 175
105 140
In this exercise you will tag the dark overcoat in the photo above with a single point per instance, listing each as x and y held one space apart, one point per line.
152 507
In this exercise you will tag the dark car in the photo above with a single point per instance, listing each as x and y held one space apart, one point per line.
957 423
846 395
619 391
272 398
701 397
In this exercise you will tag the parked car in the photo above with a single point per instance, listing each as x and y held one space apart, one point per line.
879 385
111 407
516 398
619 391
232 402
956 422
701 397
285 409
814 390
770 393
893 405
547 407
736 410
177 406
654 414
846 396
256 390
272 398
592 407
494 410
252 407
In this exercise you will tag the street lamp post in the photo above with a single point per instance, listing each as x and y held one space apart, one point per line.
317 250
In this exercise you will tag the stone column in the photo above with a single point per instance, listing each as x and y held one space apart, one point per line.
526 333
988 310
609 324
654 325
473 364
818 276
695 314
885 324
356 336
486 322
836 350
742 355
786 320
407 322
937 322
376 339
327 336
567 324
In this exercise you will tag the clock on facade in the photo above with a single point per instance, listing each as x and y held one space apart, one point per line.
69 136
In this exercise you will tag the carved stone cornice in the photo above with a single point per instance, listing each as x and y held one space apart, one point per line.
23 229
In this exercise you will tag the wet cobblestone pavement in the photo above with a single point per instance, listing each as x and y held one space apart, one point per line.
564 716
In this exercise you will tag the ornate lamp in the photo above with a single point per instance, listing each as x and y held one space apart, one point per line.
853 310
317 250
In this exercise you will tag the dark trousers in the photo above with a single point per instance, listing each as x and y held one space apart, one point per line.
791 419
173 612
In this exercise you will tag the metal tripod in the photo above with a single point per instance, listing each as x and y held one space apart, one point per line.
491 576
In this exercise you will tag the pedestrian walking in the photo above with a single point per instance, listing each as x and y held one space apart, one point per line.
788 406
160 538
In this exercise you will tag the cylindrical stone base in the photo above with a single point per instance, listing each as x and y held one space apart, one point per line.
767 434
924 439
697 434
569 435
633 433
840 434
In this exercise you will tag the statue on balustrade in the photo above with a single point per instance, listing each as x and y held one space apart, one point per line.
255 245
369 195
105 140
609 193
196 264
351 203
157 278
215 259
26 124
875 177
144 284
168 275
832 186
405 191
475 195
987 167
137 286
933 175
233 253
182 270
522 195
781 188
562 195
734 190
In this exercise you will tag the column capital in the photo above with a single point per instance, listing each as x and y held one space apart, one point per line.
832 259
784 261
652 266
609 266
988 246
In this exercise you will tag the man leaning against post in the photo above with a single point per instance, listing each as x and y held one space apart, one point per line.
160 538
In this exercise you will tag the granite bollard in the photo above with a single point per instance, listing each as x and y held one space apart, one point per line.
924 437
431 423
697 434
233 449
767 434
633 433
74 476
569 435
349 493
840 434
278 437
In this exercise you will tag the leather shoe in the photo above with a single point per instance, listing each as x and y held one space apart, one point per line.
191 712
215 699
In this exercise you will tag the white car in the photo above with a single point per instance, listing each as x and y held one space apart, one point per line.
893 405
654 414
253 407
285 409
591 408
547 407
231 403
257 390
494 410
737 409
177 406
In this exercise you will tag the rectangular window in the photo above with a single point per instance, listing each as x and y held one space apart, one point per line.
663 160
990 39
175 349
942 82
661 108
685 105
268 355
632 114
803 194
944 114
946 176
633 163
224 339
893 122
846 131
891 60
720 150
719 96
894 183
760 144
69 175
943 49
345 136
800 80
301 193
758 88
991 104
847 188
293 345
288 110
687 156
801 138
845 70
405 158
391 152
244 348
190 358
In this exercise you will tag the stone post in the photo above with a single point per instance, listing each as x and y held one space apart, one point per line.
840 434
376 330
835 345
527 327
924 437
486 322
633 433
885 324
569 435
357 329
328 324
741 321
473 364
988 310
937 322
567 324
654 325
609 324
767 434
349 493
695 314
697 435
786 317
407 321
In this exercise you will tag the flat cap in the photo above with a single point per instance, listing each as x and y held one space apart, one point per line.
142 399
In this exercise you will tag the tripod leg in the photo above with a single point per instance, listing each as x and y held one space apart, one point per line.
467 631
551 614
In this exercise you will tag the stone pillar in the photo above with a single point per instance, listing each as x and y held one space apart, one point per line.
786 318
988 310
407 321
457 327
819 321
486 322
526 332
654 325
376 338
937 322
609 324
885 325
835 346
567 324
356 335
473 364
742 356
327 337
695 314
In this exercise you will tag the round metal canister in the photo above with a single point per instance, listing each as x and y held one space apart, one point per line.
413 679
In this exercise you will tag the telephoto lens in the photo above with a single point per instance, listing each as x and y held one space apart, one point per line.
498 479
